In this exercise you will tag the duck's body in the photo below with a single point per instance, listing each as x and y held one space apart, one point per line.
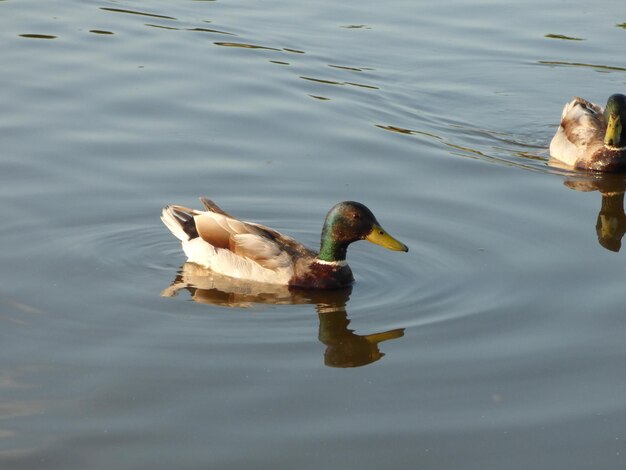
245 250
590 137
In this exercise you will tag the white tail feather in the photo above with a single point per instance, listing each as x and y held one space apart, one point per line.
173 223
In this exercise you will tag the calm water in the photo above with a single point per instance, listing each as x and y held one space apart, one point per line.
498 341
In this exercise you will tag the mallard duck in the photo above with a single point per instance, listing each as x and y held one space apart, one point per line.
590 138
244 250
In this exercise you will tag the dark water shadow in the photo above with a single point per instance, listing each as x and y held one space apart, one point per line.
611 220
344 348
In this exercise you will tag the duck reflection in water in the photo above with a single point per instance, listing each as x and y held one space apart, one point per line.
344 348
611 222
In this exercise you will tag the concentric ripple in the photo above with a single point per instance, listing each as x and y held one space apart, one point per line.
134 250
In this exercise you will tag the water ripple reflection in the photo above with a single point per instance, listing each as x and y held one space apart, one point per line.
244 45
134 12
131 249
432 283
485 145
344 348
611 220
100 31
38 36
502 325
582 64
257 44
332 82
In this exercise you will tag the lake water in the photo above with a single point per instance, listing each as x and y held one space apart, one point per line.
498 341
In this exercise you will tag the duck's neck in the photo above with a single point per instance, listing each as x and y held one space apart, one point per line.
330 249
613 204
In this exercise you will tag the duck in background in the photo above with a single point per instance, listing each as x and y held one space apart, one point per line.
592 138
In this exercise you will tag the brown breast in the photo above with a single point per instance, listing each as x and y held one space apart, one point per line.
322 276
605 159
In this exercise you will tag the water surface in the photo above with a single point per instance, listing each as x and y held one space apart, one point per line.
496 342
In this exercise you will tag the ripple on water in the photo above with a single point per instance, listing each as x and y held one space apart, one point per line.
425 285
134 250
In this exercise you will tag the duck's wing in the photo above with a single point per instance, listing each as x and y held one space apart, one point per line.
212 207
263 245
583 122
580 132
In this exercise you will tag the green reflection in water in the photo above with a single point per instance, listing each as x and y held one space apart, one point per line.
402 130
245 46
207 30
332 82
37 36
133 12
320 80
361 85
580 64
561 36
171 28
352 69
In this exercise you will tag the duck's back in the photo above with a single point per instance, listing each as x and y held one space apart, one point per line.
224 244
580 134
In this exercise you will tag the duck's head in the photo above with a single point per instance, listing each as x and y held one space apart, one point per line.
348 222
615 118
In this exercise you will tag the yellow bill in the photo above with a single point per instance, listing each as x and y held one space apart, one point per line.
613 131
379 236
